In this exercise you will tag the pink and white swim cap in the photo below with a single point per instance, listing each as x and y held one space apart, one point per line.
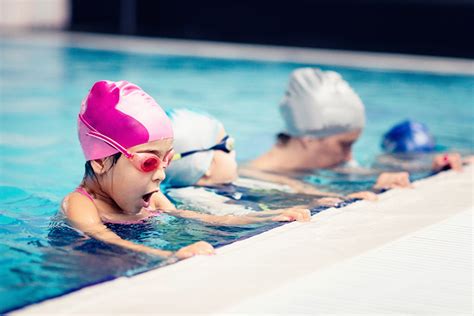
118 115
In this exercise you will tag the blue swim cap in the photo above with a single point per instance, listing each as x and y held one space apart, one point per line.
408 137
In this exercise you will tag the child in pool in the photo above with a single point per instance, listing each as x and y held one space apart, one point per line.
324 117
410 146
127 140
204 173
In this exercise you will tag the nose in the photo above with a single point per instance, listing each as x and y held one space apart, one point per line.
159 175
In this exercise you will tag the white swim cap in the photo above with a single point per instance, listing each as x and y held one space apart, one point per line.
192 131
320 103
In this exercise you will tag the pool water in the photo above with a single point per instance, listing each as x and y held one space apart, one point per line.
41 88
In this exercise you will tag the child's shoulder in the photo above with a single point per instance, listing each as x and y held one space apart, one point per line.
160 201
81 212
78 201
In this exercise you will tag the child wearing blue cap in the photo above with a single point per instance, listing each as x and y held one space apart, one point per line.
409 145
408 137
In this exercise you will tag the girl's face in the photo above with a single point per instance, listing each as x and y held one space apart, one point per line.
131 188
223 168
330 151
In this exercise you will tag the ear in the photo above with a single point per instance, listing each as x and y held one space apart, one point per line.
98 166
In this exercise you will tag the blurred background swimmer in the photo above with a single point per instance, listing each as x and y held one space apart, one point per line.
324 117
204 173
410 146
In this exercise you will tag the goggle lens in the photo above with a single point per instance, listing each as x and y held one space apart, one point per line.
150 164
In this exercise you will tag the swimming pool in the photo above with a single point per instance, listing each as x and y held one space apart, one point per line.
41 89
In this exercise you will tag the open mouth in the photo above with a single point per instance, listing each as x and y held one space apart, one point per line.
146 198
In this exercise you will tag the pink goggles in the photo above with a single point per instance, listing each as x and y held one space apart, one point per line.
145 162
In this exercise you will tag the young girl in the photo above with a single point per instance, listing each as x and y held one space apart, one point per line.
127 141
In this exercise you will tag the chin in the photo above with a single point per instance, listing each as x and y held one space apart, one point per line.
132 210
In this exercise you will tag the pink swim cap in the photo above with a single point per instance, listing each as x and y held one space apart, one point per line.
118 115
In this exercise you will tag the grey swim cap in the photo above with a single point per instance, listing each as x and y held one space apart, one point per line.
320 103
192 131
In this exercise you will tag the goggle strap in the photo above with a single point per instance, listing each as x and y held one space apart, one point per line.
227 142
182 155
83 120
106 139
110 142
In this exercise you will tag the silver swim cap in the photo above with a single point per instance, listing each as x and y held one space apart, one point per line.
192 131
320 103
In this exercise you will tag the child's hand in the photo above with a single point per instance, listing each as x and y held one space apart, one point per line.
364 195
447 161
198 248
293 214
391 180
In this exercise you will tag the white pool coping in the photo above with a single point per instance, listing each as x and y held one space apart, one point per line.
410 252
269 53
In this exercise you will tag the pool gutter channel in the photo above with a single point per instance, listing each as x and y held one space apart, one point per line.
280 264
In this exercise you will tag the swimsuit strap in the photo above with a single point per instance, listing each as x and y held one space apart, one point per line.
83 191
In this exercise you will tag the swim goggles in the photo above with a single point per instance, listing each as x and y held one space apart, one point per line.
148 162
225 145
145 162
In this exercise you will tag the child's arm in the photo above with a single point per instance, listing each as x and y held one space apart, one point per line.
302 187
83 215
283 215
298 186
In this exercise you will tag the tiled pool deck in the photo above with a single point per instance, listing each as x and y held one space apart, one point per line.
408 253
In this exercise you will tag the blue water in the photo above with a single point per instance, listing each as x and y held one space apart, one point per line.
41 88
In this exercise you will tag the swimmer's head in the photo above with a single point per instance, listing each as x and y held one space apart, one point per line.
320 103
408 137
127 140
324 117
118 115
197 132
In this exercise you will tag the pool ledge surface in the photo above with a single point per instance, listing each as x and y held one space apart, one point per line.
410 252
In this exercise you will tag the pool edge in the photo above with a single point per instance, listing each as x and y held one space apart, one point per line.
255 266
